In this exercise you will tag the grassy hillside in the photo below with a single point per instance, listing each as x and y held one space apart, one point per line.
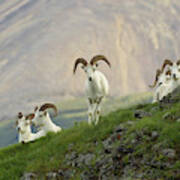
148 144
71 111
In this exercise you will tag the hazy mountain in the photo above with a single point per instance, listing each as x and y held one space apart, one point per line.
40 40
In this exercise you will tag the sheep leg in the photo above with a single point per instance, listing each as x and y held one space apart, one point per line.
156 96
98 110
90 112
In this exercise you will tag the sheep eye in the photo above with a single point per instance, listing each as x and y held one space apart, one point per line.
179 70
97 65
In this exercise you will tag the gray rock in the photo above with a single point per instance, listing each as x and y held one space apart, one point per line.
157 147
134 141
107 142
60 173
167 115
69 174
119 128
29 176
88 175
178 120
140 175
170 153
84 159
130 123
154 135
51 175
154 109
141 114
71 156
70 146
88 158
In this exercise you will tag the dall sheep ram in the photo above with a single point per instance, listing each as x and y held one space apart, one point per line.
96 85
43 120
166 79
23 125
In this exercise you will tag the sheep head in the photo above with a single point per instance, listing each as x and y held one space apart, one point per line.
168 75
90 68
166 62
176 70
22 124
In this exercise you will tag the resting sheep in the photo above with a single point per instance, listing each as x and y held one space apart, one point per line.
165 81
23 125
42 119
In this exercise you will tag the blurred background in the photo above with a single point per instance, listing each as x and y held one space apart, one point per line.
40 40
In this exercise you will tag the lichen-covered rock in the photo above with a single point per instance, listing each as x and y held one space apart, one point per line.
141 114
170 153
29 176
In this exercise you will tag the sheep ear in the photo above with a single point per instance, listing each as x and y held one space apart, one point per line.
36 108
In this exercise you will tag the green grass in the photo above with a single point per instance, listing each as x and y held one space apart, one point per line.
47 154
71 111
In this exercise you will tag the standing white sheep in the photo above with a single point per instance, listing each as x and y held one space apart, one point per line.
42 119
96 86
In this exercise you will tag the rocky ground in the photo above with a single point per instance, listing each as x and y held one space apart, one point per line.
142 143
123 154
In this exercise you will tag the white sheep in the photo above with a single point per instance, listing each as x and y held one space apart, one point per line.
164 82
23 125
96 86
42 119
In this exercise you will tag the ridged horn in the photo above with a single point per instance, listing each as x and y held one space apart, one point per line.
30 116
78 61
158 73
166 62
99 58
36 108
49 105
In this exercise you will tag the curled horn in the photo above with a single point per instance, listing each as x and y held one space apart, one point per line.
178 62
98 58
158 73
30 116
48 105
166 62
79 60
36 108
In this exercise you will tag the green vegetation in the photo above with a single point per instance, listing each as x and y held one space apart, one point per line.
71 111
48 154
